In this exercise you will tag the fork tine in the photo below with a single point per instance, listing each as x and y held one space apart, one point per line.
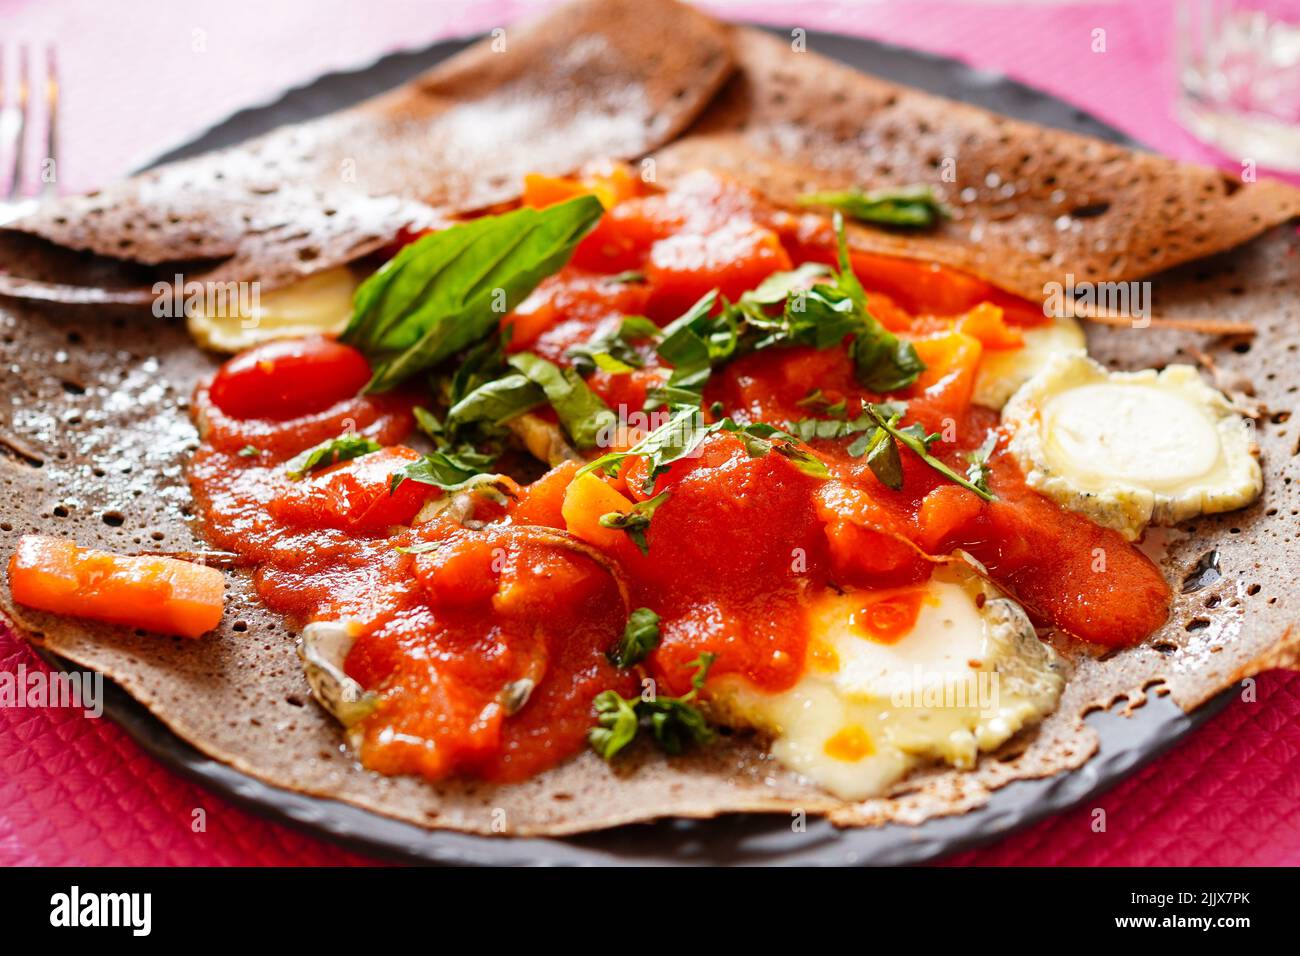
51 184
20 123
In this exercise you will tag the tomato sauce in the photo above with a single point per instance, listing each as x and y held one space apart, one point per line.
487 643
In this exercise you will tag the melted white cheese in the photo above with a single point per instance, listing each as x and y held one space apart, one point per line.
968 675
320 303
1129 449
1002 371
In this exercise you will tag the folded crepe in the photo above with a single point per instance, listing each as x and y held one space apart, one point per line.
96 434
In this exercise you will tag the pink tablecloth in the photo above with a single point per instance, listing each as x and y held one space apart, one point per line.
142 77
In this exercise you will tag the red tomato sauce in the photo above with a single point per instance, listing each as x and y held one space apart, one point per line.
737 551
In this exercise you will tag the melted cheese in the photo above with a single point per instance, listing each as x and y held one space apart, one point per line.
1129 449
1002 371
320 303
970 674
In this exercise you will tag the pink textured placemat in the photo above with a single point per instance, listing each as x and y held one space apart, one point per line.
75 790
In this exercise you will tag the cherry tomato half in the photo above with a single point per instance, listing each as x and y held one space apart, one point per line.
289 378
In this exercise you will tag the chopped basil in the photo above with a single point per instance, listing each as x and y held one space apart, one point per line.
878 435
614 352
628 277
914 207
978 473
671 441
635 522
449 289
448 470
816 401
820 316
250 451
677 437
582 412
496 402
330 452
779 286
640 637
674 722
883 459
915 438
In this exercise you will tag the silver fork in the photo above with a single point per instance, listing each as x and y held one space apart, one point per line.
19 113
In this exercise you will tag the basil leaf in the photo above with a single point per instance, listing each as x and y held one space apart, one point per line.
628 277
448 470
249 451
582 412
640 637
884 461
330 452
449 289
479 365
779 286
673 721
885 363
674 439
978 472
685 342
915 438
496 402
909 207
635 522
613 352
818 402
685 429
617 724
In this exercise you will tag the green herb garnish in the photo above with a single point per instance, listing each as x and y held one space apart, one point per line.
679 436
821 317
449 289
673 721
915 438
582 412
330 452
249 451
449 470
636 521
878 436
979 473
914 207
640 637
613 351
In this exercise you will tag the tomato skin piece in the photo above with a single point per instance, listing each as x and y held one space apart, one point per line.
289 378
354 496
732 260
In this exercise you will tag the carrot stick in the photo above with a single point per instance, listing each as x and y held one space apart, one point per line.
153 593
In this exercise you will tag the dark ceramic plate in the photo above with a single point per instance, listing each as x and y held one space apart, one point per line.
1126 743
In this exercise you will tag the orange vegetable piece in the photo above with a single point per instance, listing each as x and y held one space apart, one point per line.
987 323
611 183
542 502
586 499
154 593
944 511
951 361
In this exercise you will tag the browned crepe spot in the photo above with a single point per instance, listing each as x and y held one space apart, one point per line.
592 80
1029 203
101 404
